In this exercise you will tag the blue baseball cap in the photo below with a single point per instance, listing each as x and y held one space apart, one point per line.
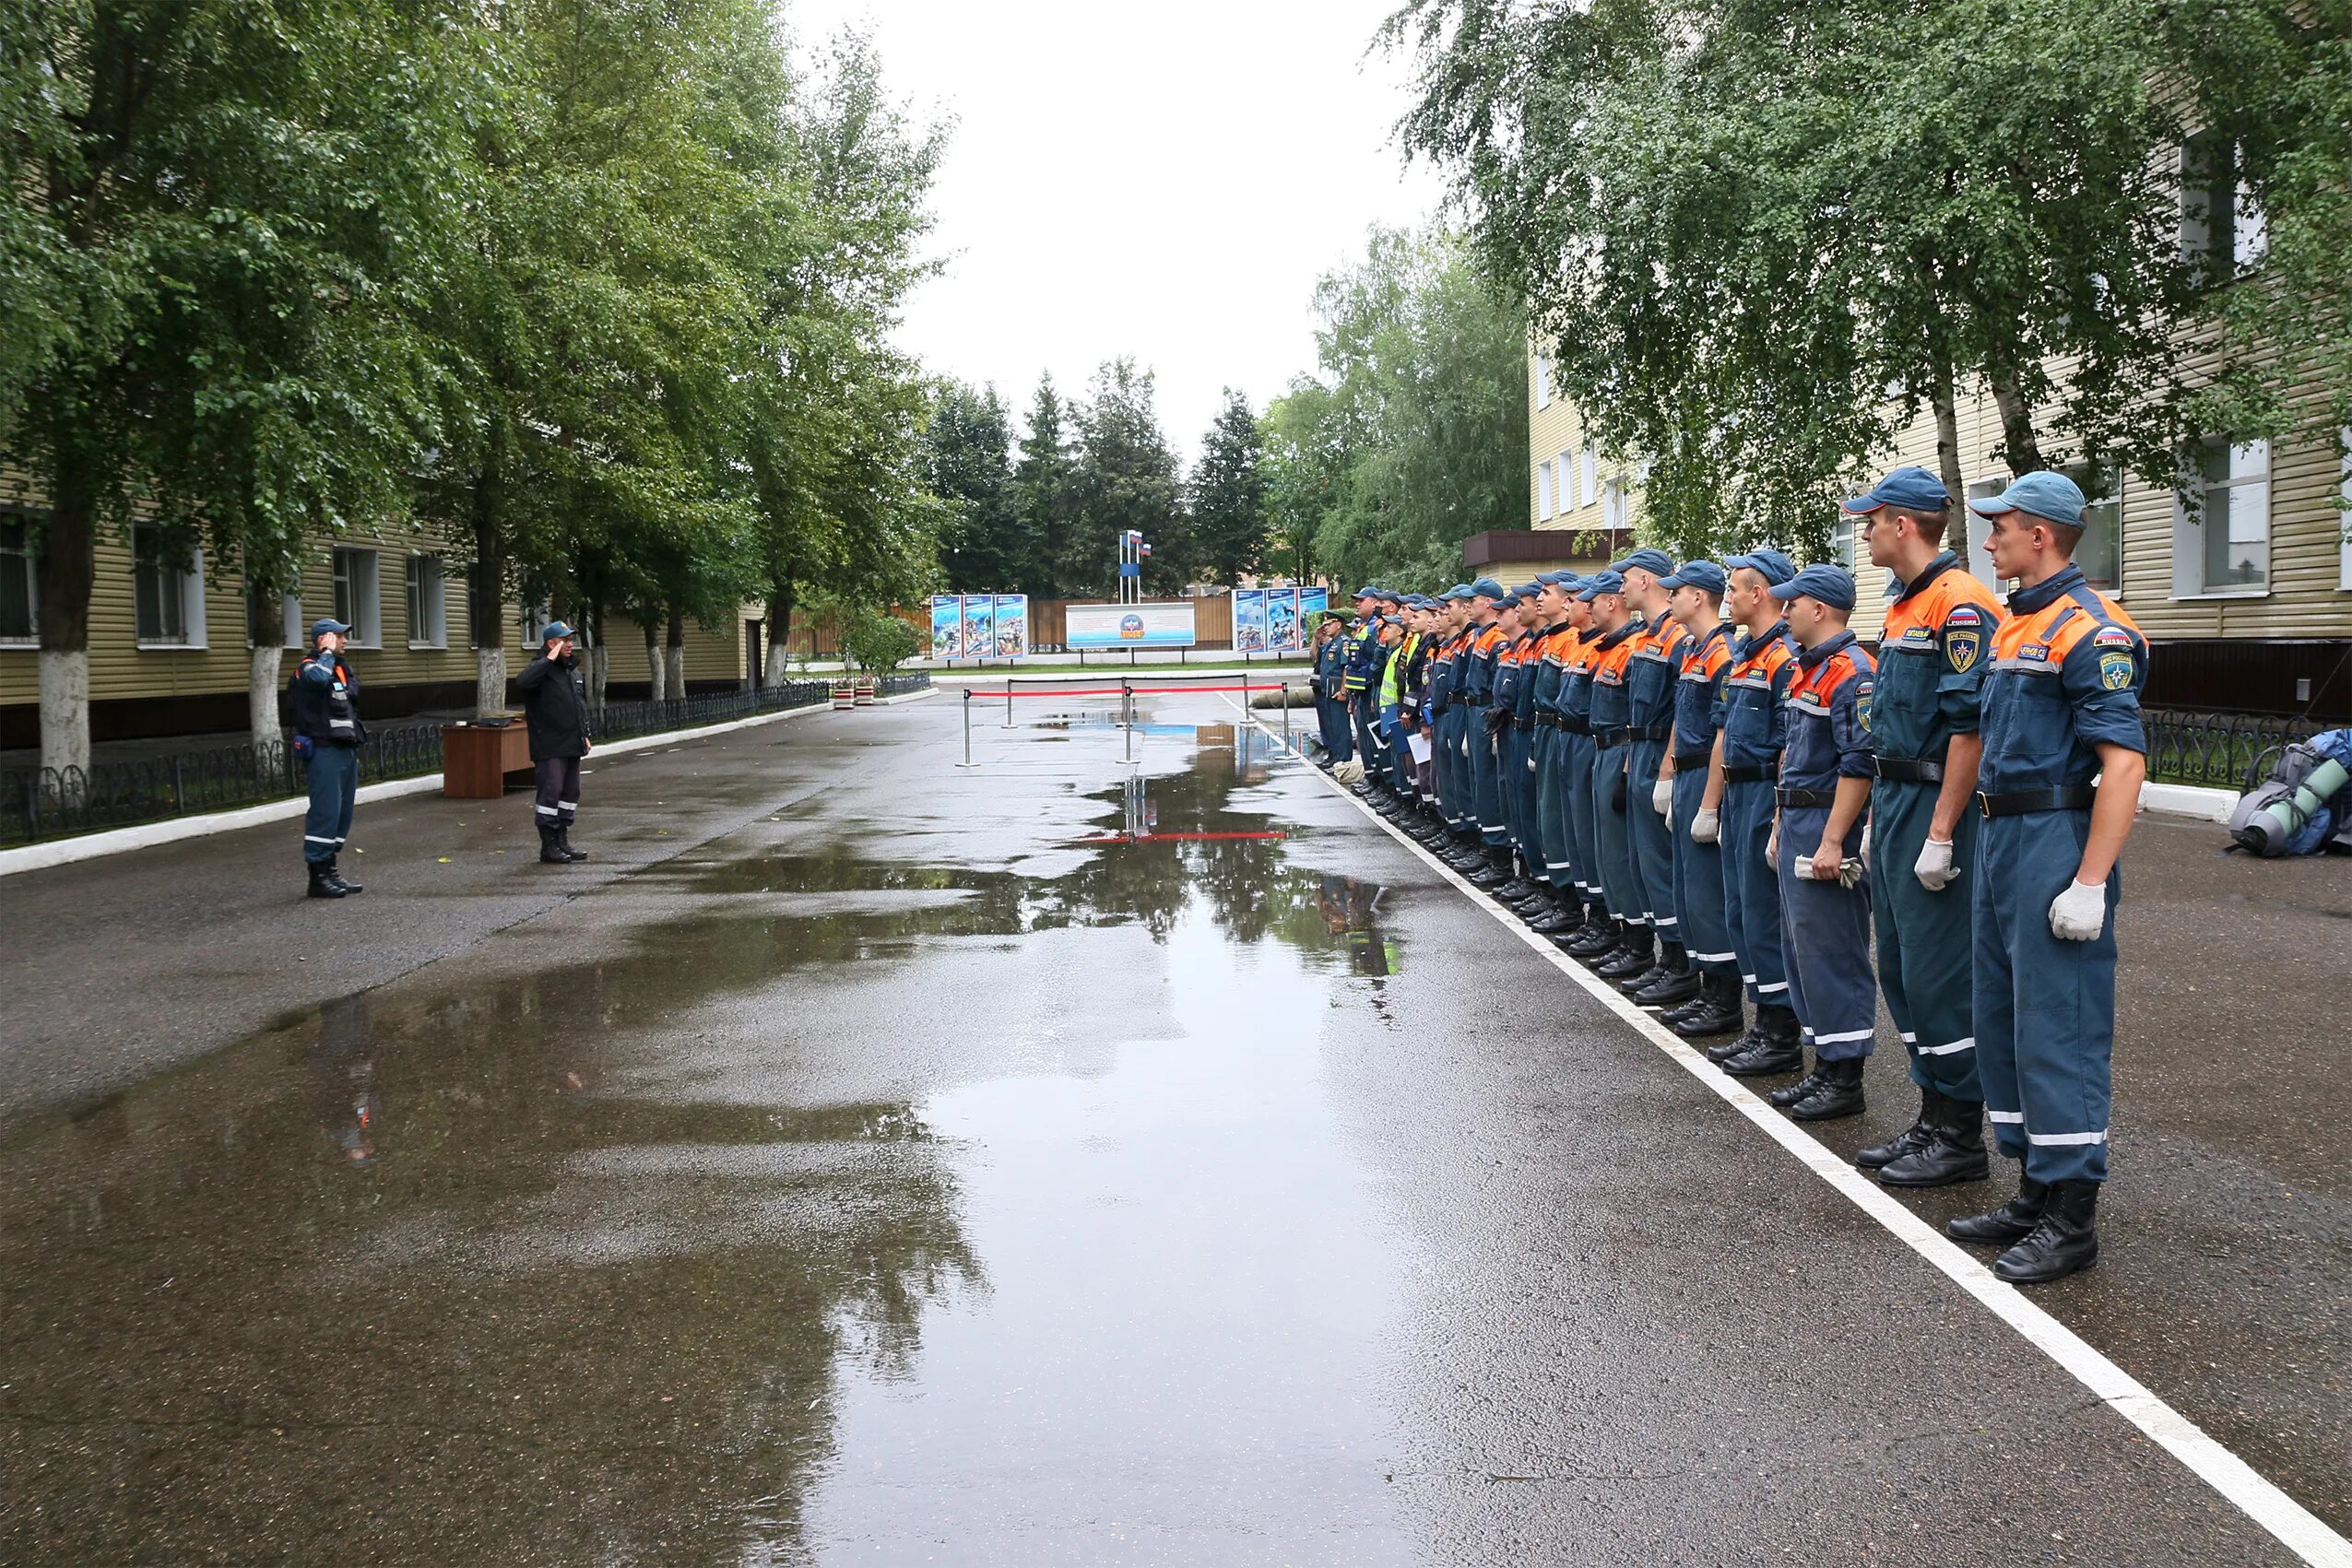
2051 497
1701 574
1657 562
1528 589
1455 594
1833 585
1770 564
554 630
1367 592
1909 486
1487 588
1601 582
326 624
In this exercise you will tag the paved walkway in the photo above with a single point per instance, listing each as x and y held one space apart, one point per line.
866 1160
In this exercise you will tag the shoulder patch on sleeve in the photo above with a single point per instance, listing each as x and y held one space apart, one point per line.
2115 669
1964 615
2111 637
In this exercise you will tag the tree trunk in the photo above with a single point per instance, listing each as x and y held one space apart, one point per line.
2019 444
779 638
655 669
677 652
64 567
599 657
1947 447
488 582
261 696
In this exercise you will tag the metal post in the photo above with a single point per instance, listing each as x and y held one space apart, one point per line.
967 729
1008 702
1127 725
1286 715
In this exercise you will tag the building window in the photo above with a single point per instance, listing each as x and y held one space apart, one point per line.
1980 564
1561 467
1614 512
357 603
274 620
1845 540
17 595
2221 526
2222 227
1587 476
427 603
2099 552
1543 382
166 598
1543 488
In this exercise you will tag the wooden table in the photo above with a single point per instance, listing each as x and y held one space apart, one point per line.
475 759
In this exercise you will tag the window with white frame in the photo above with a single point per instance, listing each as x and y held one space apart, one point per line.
1561 467
2222 226
1543 488
358 603
427 603
1543 382
2221 519
166 596
1614 513
20 623
274 620
2099 552
1587 476
1980 564
1844 541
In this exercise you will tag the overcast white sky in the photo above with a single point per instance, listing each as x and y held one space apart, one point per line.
1162 180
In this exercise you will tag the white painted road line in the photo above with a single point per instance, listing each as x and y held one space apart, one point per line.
2294 1526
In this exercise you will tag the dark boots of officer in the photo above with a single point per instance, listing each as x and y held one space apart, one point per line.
2050 1230
322 882
1945 1145
1836 1091
1674 980
1775 1045
1632 954
1716 1010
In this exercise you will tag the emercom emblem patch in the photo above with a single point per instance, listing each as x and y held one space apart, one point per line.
1962 649
2115 670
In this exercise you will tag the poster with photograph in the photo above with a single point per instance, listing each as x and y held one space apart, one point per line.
1249 620
1282 619
1311 602
1012 626
947 626
1159 625
979 626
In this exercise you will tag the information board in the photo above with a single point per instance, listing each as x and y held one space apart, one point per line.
980 626
1163 625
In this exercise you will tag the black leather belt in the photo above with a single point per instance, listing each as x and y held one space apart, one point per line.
1909 770
1608 739
1804 797
1650 732
1470 700
1764 774
1551 721
2019 803
1691 762
1576 726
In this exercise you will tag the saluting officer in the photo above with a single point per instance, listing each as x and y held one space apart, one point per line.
1924 718
1329 680
1612 845
327 733
2062 707
1695 602
1824 798
1650 679
1750 729
555 706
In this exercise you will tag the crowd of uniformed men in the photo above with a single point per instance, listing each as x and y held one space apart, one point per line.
1695 780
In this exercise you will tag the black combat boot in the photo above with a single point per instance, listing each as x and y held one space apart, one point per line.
1779 1048
2066 1241
1633 955
552 849
1715 1009
321 885
1953 1152
1789 1094
1559 915
1678 980
2012 1223
1839 1093
1517 890
1493 872
1908 1141
1748 1040
563 842
1463 854
335 875
1599 937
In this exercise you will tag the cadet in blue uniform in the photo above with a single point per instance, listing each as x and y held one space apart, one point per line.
1824 800
1695 601
1356 685
1750 729
1485 769
1514 684
2062 707
1561 911
327 733
1650 679
1437 713
1467 852
1613 851
1932 659
1599 933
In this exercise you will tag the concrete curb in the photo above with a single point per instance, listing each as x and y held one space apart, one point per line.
115 841
2189 800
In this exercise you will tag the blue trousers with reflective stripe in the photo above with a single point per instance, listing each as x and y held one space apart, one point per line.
1653 840
1924 939
1612 848
1368 744
1521 781
1446 754
2045 1007
1824 937
1392 731
1576 810
1330 717
1551 811
1698 881
1486 780
1752 892
335 784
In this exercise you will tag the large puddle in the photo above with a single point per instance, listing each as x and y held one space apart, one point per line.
815 1206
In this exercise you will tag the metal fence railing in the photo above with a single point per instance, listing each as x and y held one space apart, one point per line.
46 803
2224 750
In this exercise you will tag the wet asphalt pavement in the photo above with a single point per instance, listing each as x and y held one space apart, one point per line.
867 1161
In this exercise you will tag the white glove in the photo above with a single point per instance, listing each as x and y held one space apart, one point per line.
1531 764
2079 913
1662 798
1707 825
1934 868
1804 868
1772 847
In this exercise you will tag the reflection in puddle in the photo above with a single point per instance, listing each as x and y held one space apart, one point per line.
632 1242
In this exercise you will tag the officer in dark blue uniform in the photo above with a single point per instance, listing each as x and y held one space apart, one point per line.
1650 679
1824 800
2062 707
1615 629
1750 730
327 734
1329 682
555 706
1486 767
1695 602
